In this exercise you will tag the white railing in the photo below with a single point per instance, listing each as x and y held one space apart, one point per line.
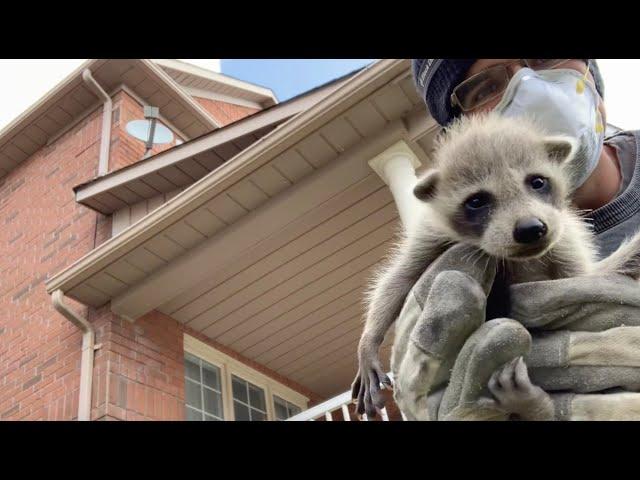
333 405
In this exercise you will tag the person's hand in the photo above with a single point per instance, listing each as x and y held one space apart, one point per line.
445 306
584 336
586 332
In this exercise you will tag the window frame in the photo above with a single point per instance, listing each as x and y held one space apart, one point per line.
284 400
203 388
230 366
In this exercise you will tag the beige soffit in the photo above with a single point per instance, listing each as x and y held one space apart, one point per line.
21 138
71 100
196 108
92 193
192 76
249 160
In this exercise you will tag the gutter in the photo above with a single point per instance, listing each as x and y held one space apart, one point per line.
88 348
103 164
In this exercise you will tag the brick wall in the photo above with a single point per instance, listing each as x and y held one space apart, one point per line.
125 149
223 112
43 230
138 371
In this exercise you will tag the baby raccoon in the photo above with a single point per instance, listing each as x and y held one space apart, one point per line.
502 186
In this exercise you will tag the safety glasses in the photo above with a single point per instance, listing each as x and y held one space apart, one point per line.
486 85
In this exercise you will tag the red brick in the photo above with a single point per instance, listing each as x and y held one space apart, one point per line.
223 112
138 372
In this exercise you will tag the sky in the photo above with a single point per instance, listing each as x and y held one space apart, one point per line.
23 82
288 78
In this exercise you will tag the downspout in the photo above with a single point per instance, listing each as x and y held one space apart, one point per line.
103 164
57 297
88 348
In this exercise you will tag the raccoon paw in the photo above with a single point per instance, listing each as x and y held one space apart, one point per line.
365 388
515 393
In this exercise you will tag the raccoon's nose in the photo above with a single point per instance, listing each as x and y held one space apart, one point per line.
529 230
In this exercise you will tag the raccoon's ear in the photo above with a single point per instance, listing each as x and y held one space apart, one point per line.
560 148
425 189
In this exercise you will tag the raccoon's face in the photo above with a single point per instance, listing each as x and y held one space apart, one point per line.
508 202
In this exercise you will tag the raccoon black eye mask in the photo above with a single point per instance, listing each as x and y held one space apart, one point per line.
473 214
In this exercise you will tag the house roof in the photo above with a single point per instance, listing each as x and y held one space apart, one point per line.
185 164
201 82
71 100
258 155
269 254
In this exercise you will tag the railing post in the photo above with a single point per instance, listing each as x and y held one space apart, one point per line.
338 402
345 413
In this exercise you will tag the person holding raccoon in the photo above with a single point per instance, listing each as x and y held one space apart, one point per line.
517 295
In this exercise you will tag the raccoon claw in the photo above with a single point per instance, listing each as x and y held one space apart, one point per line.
355 387
366 389
515 393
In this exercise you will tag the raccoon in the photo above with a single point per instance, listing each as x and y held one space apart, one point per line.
502 186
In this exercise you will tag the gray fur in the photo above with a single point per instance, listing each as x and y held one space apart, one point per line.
497 156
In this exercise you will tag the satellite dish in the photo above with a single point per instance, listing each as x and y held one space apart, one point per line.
149 130
140 129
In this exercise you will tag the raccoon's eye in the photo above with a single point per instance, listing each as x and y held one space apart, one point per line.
477 201
538 182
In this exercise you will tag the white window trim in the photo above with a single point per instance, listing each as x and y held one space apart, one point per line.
230 366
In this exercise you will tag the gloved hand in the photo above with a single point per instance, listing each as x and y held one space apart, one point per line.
445 306
586 338
598 348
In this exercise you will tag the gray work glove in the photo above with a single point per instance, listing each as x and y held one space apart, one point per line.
586 338
447 304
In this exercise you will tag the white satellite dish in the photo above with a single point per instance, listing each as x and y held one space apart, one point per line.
140 129
149 130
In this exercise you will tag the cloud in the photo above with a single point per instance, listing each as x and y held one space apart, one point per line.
621 93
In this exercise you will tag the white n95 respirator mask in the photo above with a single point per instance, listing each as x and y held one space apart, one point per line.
563 103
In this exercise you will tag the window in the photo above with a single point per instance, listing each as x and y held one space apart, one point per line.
248 401
219 387
284 409
202 390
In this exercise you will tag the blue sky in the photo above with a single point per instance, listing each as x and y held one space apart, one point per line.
289 77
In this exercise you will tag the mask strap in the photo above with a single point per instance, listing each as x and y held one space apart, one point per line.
580 85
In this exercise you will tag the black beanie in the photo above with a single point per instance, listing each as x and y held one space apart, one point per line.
436 78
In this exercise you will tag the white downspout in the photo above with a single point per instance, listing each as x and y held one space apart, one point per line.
103 164
57 298
88 348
